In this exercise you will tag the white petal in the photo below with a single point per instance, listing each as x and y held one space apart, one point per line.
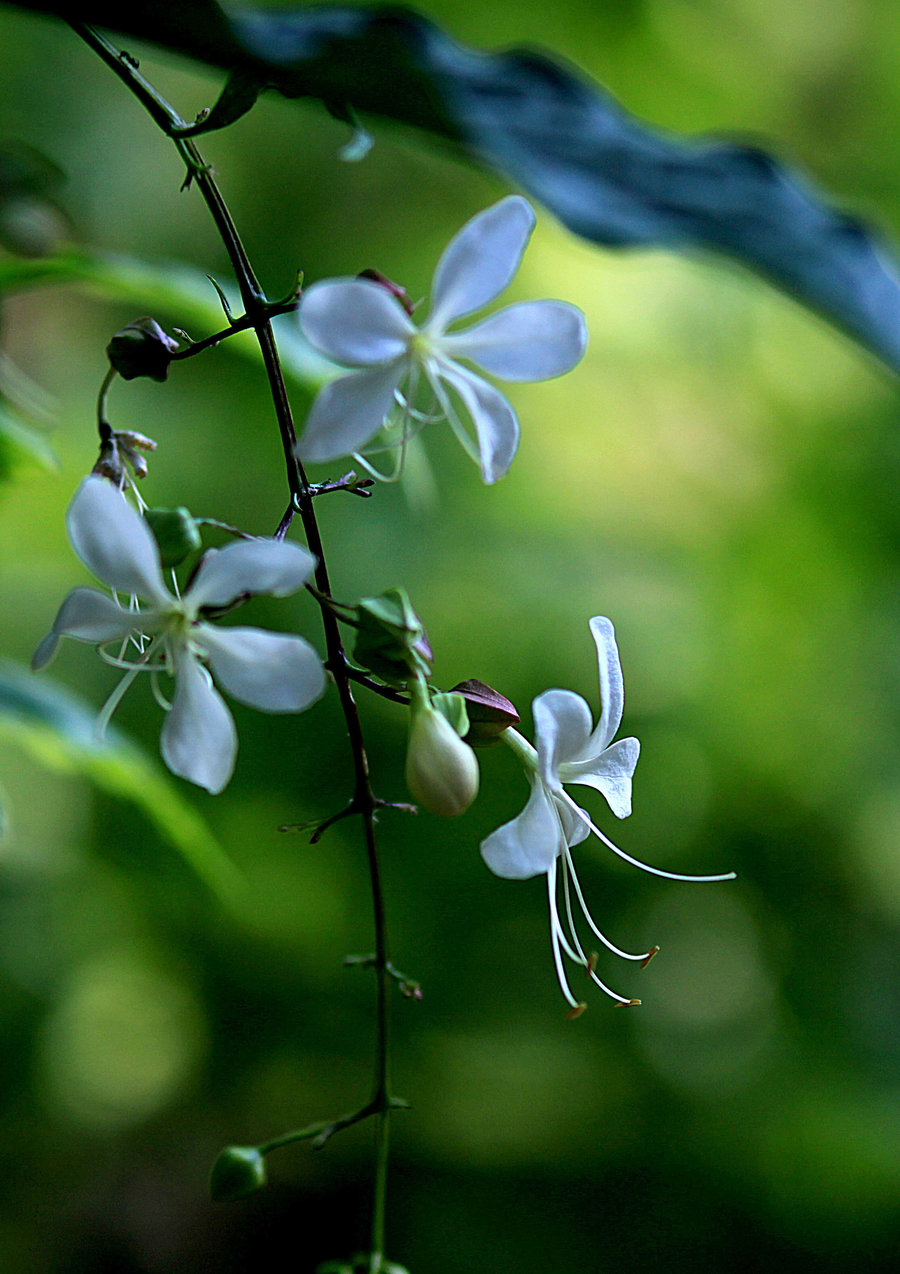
574 828
612 690
88 616
496 424
354 321
531 341
272 671
278 567
480 261
527 845
610 773
199 741
562 725
115 542
349 411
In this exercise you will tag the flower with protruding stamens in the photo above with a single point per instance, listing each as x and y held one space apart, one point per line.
362 324
540 839
271 671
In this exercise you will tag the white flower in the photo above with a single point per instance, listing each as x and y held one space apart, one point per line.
361 324
271 671
539 841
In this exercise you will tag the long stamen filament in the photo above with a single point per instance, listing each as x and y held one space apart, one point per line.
626 955
556 935
636 862
581 958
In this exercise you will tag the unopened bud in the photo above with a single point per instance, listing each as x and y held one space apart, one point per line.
490 712
141 349
441 770
238 1171
175 532
400 293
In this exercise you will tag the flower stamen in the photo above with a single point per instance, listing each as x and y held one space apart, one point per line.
636 862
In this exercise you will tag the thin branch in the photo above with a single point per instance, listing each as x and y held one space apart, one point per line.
258 317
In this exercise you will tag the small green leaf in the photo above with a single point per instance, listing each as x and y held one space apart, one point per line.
58 730
390 637
453 708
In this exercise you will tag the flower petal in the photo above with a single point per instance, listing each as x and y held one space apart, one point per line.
272 671
87 615
562 725
354 321
531 341
480 261
349 411
610 773
199 741
575 829
496 424
528 845
115 542
612 689
278 567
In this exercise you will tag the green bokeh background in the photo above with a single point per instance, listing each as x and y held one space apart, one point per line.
719 477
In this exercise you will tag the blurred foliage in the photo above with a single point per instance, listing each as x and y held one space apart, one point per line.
719 477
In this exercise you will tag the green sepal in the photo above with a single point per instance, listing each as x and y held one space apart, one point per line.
175 532
238 1172
453 707
390 638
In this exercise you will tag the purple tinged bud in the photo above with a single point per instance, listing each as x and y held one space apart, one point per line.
141 349
490 713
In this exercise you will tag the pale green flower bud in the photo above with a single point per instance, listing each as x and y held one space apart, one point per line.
441 770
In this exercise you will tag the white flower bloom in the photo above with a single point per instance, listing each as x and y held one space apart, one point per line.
271 671
359 323
539 841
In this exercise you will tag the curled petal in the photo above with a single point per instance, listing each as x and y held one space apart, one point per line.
612 689
479 262
199 741
573 824
278 567
354 321
114 542
87 615
496 424
272 671
610 773
527 845
562 726
535 340
349 411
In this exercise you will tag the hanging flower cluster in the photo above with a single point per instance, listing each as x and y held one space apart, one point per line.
538 842
271 671
363 324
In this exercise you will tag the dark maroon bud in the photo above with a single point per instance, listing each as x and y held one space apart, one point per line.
375 276
490 712
141 349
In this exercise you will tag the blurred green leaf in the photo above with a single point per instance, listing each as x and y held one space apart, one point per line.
187 295
606 175
58 730
31 220
20 443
